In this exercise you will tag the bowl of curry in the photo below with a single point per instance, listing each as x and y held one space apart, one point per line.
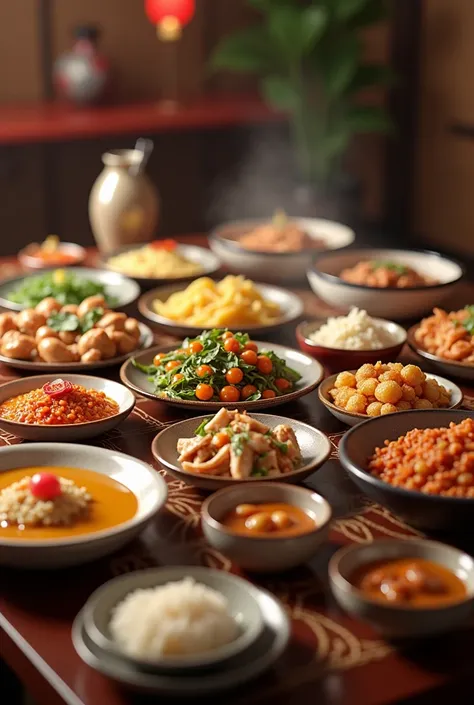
404 588
266 527
65 504
69 408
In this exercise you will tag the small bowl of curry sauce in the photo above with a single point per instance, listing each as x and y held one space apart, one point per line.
404 588
266 527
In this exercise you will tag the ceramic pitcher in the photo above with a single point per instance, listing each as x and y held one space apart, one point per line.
123 203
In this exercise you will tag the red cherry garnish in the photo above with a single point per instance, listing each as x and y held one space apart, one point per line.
45 485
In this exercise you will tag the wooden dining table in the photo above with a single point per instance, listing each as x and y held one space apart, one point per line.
332 658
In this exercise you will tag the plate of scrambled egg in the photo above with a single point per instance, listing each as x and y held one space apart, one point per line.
234 302
162 261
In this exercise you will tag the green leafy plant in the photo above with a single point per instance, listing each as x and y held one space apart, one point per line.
308 56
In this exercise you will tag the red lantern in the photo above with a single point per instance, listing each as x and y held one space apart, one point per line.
169 16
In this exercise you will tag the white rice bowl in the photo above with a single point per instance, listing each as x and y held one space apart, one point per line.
356 331
177 619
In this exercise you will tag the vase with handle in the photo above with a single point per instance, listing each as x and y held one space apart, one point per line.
123 203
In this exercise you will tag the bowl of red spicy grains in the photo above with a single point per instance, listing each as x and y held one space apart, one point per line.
70 408
418 464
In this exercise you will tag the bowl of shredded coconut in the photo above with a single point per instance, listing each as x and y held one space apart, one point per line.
340 341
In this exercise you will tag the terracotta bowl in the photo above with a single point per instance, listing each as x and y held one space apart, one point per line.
272 553
423 511
30 260
337 359
399 621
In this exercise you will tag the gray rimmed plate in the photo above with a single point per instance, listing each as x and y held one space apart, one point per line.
290 304
146 341
352 419
123 289
206 259
139 477
311 372
265 651
450 367
67 432
243 605
315 447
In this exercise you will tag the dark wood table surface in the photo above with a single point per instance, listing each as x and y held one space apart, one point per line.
332 659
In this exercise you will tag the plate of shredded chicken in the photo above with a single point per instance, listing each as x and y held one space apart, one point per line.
233 446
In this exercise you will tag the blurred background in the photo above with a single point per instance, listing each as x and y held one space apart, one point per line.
358 110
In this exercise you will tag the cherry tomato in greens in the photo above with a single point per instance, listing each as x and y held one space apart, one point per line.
264 364
282 384
247 391
232 345
268 394
250 357
177 378
227 334
204 371
234 375
171 365
45 486
229 394
158 358
220 439
204 392
194 347
58 388
251 346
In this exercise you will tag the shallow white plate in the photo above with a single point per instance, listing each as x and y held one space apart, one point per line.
290 305
311 372
352 419
146 484
67 432
124 290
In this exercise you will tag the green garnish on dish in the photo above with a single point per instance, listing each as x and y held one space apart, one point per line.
391 266
220 366
64 322
66 287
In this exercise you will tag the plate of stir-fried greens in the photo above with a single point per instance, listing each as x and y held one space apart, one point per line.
222 369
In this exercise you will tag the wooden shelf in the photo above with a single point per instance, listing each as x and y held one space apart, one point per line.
51 122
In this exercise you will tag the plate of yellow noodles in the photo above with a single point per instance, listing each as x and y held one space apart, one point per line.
163 262
234 302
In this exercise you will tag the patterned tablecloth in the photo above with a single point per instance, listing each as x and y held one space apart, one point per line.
331 659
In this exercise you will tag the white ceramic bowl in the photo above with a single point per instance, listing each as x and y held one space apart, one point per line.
398 620
279 267
146 484
391 303
67 432
352 419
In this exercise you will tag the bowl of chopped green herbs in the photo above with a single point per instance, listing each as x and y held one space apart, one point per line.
413 281
68 286
219 368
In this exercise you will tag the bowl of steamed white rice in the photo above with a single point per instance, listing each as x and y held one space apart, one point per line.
346 342
175 618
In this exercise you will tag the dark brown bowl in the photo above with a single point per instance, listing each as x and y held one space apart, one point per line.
337 359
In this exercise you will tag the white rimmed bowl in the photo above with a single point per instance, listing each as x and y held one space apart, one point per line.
398 620
242 600
146 484
315 447
206 259
277 267
271 553
67 432
123 289
352 419
391 303
290 304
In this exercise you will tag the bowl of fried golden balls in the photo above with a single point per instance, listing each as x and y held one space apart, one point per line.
377 389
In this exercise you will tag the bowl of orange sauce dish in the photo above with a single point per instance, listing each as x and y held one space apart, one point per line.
404 588
51 253
266 527
63 504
